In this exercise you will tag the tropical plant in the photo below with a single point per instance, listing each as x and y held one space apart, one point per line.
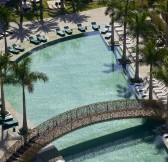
112 6
25 78
41 9
162 8
4 68
152 55
5 18
122 17
139 26
161 74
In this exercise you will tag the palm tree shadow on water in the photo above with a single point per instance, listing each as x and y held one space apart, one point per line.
110 68
124 91
113 142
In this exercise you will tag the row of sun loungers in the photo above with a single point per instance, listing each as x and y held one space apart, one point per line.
130 44
142 89
160 90
16 49
69 31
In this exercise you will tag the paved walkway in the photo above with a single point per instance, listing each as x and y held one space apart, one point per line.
49 24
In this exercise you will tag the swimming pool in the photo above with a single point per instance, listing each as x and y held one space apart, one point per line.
83 71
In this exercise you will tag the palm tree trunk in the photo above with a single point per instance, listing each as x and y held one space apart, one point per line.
2 99
166 124
73 5
41 10
21 14
112 31
142 4
124 43
166 34
25 127
137 59
125 34
62 6
150 84
5 41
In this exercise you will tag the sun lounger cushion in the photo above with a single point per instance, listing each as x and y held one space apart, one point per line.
12 50
18 47
60 32
41 38
34 41
107 36
95 26
105 30
67 30
81 28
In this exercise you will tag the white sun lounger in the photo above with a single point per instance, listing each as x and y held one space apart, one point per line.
129 41
107 36
50 6
160 91
156 84
117 25
132 45
144 94
119 29
120 33
159 88
161 95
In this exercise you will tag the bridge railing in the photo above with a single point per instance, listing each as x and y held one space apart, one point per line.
91 110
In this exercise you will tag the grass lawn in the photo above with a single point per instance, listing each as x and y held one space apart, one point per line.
83 6
34 13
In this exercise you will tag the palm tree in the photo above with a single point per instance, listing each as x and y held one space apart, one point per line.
142 4
62 7
122 16
5 17
41 10
139 26
112 6
152 55
73 5
25 78
161 74
4 67
162 7
21 13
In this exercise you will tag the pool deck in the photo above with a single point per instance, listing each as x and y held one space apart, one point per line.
47 28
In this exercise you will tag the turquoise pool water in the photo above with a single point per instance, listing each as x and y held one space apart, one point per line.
82 71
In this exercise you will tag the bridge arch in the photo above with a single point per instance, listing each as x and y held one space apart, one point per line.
72 120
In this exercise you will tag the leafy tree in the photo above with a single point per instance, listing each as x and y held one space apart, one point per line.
5 18
151 56
25 78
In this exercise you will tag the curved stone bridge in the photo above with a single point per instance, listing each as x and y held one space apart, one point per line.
83 116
